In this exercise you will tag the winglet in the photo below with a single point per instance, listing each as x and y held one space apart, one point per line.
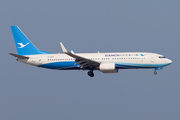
63 48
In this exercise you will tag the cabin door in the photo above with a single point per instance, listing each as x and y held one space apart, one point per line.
40 61
152 59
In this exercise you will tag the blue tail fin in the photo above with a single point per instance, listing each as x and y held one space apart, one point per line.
23 44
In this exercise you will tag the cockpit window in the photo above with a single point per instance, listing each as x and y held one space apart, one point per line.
162 57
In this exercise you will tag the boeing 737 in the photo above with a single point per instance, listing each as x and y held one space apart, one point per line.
104 62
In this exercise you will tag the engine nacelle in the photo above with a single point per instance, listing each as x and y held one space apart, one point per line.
108 68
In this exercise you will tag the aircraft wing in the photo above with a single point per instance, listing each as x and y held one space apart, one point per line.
18 56
84 62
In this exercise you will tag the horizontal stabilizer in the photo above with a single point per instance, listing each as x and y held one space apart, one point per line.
18 56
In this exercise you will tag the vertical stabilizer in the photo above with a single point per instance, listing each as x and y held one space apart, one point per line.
23 44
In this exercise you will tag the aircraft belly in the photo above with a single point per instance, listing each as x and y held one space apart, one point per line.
137 65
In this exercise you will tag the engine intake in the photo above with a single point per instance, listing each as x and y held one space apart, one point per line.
108 68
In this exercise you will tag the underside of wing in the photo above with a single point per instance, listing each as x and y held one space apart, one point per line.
84 62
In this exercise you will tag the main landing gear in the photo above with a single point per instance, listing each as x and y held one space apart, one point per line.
90 73
155 73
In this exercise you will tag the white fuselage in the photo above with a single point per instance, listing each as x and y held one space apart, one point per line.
124 60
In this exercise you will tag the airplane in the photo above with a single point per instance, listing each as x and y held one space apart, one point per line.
104 62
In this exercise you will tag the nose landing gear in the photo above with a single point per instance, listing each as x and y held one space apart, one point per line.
159 68
155 73
90 73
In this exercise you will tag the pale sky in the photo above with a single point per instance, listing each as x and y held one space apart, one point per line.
32 93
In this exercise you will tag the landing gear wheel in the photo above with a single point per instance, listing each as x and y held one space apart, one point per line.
155 73
90 73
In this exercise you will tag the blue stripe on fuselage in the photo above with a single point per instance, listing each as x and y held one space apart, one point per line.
60 65
133 65
71 65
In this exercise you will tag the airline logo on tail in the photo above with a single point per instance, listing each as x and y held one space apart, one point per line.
22 45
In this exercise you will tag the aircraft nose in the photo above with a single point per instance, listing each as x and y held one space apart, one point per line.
169 61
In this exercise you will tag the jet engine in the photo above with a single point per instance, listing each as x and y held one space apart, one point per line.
108 68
